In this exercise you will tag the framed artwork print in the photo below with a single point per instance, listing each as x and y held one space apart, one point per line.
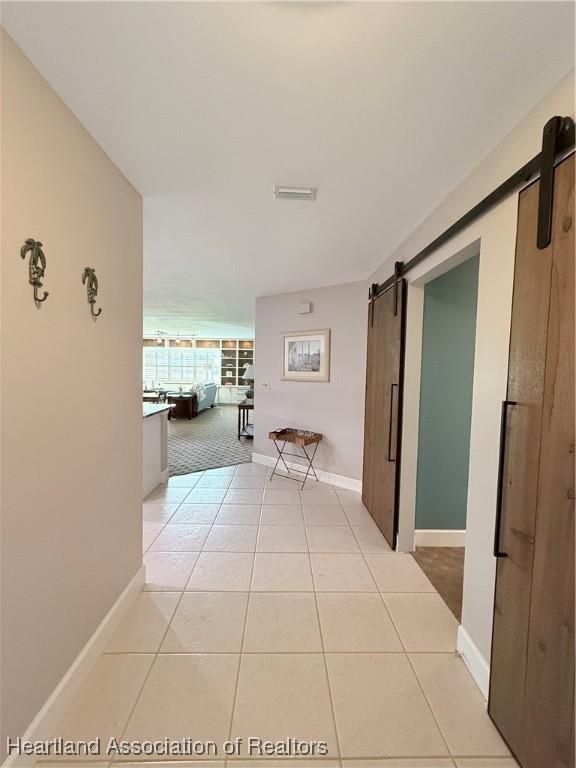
307 356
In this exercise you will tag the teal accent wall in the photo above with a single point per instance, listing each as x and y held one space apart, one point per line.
448 340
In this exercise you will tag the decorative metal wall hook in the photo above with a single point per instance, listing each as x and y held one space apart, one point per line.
91 281
36 267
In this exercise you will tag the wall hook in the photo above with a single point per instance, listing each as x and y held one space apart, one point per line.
36 267
91 281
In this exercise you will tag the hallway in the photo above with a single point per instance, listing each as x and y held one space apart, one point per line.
274 613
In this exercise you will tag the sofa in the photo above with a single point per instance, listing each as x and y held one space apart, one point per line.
210 397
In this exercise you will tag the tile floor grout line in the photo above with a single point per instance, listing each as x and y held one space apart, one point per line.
152 665
321 591
199 553
370 571
389 551
316 592
147 676
236 687
267 653
394 627
214 524
325 663
178 505
182 593
436 720
440 730
261 760
409 660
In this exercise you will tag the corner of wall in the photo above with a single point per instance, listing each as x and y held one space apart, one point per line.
62 373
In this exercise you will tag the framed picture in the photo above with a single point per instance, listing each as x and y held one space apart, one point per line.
307 356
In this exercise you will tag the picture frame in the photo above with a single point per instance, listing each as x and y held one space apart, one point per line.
306 356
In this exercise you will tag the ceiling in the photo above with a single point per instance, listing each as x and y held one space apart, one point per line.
205 106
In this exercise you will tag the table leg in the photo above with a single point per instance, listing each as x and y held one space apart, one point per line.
280 456
239 420
277 460
310 465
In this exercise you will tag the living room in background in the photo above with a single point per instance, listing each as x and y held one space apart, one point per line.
174 363
204 382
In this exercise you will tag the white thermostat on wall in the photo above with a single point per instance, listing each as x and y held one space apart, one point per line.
305 308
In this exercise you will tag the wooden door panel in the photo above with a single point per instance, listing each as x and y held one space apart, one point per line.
532 664
550 668
527 362
382 432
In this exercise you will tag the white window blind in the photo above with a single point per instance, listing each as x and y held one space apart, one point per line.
186 366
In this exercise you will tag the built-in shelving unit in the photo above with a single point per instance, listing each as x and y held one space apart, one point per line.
236 355
245 356
229 363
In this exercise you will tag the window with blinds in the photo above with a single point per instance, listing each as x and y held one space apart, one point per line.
186 366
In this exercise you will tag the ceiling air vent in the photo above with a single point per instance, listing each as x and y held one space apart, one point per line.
282 192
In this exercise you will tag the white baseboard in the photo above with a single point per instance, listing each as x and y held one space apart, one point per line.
438 538
476 663
340 481
164 475
46 721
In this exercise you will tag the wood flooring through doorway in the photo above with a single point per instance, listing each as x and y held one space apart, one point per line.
444 566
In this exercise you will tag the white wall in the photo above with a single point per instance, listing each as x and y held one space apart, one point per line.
336 408
523 143
496 232
71 451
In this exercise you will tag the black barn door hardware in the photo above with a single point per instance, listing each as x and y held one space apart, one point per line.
553 130
398 266
558 139
500 487
371 296
36 267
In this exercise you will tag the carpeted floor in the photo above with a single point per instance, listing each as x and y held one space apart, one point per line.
208 441
444 566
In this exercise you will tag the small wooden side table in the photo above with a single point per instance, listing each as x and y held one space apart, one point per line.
186 405
300 438
245 429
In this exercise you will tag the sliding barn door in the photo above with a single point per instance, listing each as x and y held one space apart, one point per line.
383 415
532 665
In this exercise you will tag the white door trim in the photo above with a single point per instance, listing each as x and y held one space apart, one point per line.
494 236
439 538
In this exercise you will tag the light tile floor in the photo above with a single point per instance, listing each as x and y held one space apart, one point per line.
276 613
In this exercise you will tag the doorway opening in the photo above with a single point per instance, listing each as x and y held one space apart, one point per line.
446 382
